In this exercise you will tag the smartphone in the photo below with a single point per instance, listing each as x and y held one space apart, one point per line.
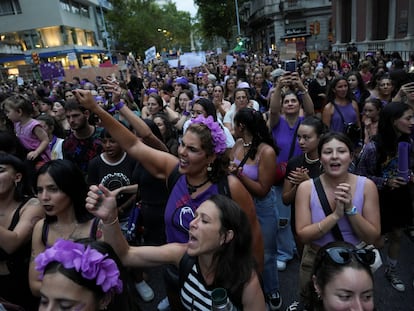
290 65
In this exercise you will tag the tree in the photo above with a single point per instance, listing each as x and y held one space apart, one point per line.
217 18
136 25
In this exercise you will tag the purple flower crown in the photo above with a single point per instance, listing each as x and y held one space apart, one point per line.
217 133
88 261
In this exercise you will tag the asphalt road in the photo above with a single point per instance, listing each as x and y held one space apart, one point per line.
386 297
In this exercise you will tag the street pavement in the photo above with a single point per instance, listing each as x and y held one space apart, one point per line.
386 297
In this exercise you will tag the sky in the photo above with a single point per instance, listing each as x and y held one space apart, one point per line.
186 5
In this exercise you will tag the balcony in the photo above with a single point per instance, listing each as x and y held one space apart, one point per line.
291 5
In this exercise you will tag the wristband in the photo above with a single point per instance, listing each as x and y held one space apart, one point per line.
352 211
186 113
117 107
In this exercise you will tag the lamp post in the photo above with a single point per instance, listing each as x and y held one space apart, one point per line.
105 34
236 4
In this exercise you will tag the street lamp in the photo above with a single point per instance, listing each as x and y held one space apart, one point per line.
236 4
105 34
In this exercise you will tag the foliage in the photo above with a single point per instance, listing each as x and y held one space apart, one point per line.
136 25
218 18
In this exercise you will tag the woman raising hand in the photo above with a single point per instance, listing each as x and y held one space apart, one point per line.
199 172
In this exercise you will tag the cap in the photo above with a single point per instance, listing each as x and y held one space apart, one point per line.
243 85
345 65
277 73
369 54
212 77
181 80
151 91
200 75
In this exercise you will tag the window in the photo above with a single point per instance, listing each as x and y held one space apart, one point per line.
10 7
84 11
75 8
64 4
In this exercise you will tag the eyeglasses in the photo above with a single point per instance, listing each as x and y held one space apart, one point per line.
343 256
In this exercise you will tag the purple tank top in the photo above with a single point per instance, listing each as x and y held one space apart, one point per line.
282 135
250 170
180 209
317 214
349 113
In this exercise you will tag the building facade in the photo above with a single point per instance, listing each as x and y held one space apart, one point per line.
374 24
287 25
329 25
70 31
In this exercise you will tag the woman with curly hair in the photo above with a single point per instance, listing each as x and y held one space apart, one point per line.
199 171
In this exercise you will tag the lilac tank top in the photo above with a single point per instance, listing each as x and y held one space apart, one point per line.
349 113
317 214
180 210
250 170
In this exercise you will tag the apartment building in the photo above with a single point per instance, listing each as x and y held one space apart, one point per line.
321 25
69 31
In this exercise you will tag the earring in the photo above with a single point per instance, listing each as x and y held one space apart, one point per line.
209 168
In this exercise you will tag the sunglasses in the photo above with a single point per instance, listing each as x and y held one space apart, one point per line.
343 256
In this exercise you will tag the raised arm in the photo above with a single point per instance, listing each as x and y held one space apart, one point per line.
142 129
102 203
160 164
307 102
275 105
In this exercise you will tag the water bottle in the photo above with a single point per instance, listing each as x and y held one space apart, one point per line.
220 301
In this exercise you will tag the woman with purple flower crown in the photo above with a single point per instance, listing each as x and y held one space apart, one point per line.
199 172
83 275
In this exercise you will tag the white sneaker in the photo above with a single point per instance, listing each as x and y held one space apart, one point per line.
281 265
164 305
146 292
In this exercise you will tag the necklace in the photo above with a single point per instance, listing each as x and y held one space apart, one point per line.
193 188
63 235
310 161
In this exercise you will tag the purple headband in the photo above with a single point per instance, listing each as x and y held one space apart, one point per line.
88 261
217 133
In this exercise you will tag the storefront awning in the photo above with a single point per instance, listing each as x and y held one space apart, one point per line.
7 58
76 50
306 34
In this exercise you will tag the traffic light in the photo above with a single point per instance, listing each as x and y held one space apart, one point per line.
35 58
317 28
312 28
239 41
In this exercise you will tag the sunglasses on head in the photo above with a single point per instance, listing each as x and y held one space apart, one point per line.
343 256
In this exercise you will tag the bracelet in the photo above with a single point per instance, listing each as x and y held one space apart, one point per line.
112 223
117 107
352 211
320 228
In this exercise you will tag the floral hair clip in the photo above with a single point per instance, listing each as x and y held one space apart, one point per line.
88 261
217 133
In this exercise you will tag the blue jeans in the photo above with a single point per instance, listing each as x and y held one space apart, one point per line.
285 241
268 218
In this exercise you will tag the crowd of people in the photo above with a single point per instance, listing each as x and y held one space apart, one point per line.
220 174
